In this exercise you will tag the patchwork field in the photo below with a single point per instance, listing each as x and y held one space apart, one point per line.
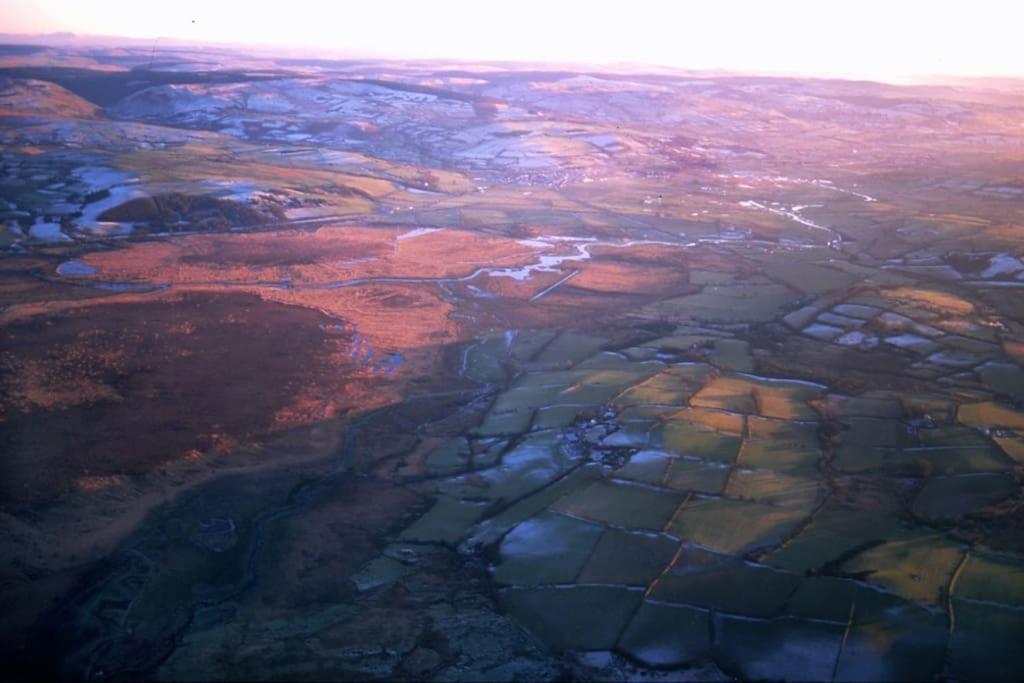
356 370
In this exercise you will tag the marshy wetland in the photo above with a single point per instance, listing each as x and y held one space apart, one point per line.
356 370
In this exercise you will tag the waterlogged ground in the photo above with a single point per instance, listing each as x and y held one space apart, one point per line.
678 511
339 370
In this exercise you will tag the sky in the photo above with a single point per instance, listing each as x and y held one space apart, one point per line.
887 39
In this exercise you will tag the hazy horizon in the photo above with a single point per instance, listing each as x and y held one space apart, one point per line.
879 41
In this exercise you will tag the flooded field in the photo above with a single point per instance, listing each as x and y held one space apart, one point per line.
375 371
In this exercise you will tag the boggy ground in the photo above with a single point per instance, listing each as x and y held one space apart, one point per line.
110 390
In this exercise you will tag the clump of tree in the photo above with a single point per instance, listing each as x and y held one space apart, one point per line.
176 211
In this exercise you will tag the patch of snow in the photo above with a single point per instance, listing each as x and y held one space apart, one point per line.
858 339
76 269
47 232
122 188
839 320
824 332
97 178
856 310
107 229
954 359
912 342
418 232
1002 264
835 238
897 322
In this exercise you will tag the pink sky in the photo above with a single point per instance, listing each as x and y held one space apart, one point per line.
870 38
